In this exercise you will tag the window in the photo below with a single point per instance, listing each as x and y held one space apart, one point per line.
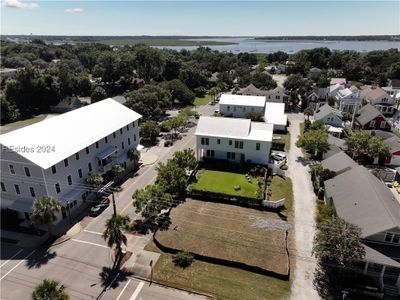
16 186
239 144
205 141
66 162
258 146
53 169
27 171
58 190
252 109
114 135
127 127
234 108
244 109
134 137
80 173
11 167
106 140
230 155
122 145
75 202
3 187
278 97
210 153
218 141
31 189
383 124
97 145
230 142
87 150
77 156
396 238
69 180
228 108
120 131
129 141
372 124
388 237
83 197
133 124
99 163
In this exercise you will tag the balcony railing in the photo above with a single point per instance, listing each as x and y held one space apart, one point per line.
107 166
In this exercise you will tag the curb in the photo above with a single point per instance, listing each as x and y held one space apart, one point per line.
60 242
173 287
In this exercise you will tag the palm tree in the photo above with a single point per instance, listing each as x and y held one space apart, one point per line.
308 112
113 232
117 170
95 180
44 211
50 289
134 155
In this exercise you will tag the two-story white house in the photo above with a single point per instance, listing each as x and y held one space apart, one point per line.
348 99
239 105
55 156
235 140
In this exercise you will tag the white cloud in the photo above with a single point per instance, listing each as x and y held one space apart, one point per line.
76 10
19 4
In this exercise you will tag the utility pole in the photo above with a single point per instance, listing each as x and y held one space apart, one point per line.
107 187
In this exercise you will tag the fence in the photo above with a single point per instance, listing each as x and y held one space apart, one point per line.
274 204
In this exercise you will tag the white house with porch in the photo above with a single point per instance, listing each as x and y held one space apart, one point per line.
239 105
235 140
348 100
55 156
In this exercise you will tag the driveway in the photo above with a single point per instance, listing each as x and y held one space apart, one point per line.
304 217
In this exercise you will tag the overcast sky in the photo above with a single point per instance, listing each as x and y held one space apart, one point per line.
239 18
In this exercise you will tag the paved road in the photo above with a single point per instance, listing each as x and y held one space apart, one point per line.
304 213
83 263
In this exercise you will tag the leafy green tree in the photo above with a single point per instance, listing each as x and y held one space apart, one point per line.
183 259
114 235
150 62
255 116
95 180
106 67
150 101
192 75
298 86
176 122
171 178
149 132
394 71
314 141
185 159
179 91
98 94
336 246
364 146
263 81
9 111
151 200
44 211
50 289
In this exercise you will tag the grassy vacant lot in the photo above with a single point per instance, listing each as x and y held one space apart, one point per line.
161 42
227 232
282 188
282 138
223 282
202 101
224 182
19 124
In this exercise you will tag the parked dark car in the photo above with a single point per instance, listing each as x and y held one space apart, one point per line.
98 209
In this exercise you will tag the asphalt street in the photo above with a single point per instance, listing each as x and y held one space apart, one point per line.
83 263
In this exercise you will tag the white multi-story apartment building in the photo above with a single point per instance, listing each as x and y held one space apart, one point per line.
239 105
236 140
54 157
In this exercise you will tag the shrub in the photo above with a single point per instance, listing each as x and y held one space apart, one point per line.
237 187
183 259
168 143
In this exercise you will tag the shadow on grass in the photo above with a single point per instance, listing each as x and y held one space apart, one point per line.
40 258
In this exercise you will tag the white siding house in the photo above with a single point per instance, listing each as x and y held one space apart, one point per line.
348 99
239 105
236 140
275 114
54 157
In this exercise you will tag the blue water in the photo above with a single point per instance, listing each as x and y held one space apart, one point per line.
256 46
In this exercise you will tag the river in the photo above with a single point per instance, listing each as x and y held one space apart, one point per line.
258 46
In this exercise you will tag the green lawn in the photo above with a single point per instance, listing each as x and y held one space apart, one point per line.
19 124
282 188
202 101
222 282
224 182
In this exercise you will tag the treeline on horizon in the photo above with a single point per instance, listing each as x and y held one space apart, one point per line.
154 80
85 38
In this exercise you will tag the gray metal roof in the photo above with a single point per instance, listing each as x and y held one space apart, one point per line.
393 143
339 162
325 110
362 199
375 256
367 113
